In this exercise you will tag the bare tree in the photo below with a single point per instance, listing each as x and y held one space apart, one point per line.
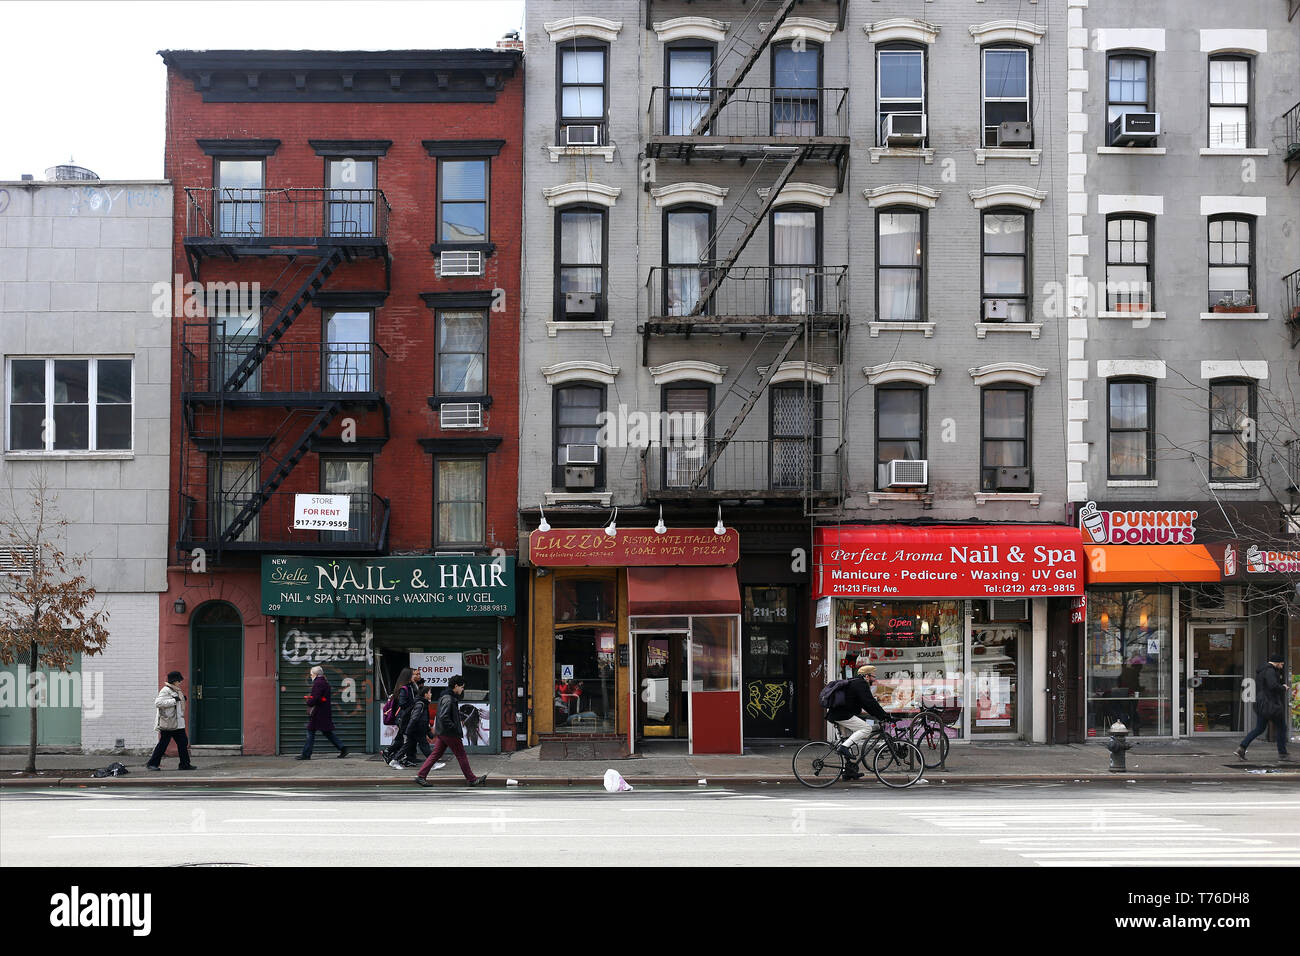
47 607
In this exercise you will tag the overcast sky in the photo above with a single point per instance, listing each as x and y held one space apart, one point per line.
84 80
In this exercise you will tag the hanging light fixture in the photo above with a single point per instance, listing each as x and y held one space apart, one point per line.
661 528
611 529
543 525
719 528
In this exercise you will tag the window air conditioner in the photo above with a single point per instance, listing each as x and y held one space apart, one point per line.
1134 129
580 303
582 135
908 474
995 310
1004 478
581 454
904 129
460 263
460 415
1009 609
1015 133
579 477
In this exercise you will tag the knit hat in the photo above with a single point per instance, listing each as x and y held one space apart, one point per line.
866 669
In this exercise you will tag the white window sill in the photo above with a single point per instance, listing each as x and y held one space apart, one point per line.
601 498
996 497
1132 483
557 151
1035 329
901 152
69 456
1007 152
926 328
1235 485
1130 150
921 497
1223 151
1131 315
1236 316
552 328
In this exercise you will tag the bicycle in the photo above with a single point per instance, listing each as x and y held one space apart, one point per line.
895 760
929 731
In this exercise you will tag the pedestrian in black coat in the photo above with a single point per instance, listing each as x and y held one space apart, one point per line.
320 715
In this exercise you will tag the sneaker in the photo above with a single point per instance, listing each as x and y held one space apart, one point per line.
439 765
395 765
188 766
150 766
479 781
344 752
421 781
1240 752
302 757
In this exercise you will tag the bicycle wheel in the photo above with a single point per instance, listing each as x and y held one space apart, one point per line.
898 764
817 764
931 738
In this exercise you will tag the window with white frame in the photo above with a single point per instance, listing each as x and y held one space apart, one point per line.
70 404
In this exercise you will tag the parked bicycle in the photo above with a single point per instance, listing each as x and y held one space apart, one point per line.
929 731
894 759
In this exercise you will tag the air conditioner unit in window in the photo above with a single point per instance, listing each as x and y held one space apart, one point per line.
903 129
995 310
582 135
580 303
1009 609
579 477
1134 129
1015 133
904 473
1004 478
460 263
460 414
581 454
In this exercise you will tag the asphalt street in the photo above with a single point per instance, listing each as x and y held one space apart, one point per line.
1006 825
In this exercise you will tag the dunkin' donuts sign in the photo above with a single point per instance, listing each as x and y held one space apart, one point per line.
1136 527
1262 561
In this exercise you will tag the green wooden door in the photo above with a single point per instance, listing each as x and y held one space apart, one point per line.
216 686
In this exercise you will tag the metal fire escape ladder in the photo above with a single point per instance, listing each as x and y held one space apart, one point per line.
721 95
282 465
284 318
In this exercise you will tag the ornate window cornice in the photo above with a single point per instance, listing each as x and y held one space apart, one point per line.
677 193
1016 373
1008 194
691 28
566 194
688 370
580 370
808 194
917 373
597 28
1007 31
902 194
898 29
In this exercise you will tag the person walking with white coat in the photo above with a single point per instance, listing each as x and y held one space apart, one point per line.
169 721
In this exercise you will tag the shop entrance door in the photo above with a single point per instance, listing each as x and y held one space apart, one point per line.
662 705
1216 655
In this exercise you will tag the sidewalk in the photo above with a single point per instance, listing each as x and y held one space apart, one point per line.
1201 761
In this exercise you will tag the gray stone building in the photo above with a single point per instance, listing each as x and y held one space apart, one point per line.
824 242
1184 303
85 345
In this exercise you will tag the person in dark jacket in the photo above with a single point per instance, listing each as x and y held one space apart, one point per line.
859 699
446 730
320 715
1270 706
417 727
405 699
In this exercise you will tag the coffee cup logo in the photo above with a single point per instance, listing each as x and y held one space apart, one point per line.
1094 523
1255 561
1229 561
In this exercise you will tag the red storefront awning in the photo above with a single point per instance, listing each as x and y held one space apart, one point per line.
702 590
952 561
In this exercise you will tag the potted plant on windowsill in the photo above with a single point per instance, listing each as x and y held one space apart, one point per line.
1132 306
1239 303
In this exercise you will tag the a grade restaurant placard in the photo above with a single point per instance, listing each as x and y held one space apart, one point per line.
592 548
407 587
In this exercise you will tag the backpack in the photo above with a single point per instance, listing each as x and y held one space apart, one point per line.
390 711
834 694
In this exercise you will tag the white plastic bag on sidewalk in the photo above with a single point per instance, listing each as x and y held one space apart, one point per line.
615 783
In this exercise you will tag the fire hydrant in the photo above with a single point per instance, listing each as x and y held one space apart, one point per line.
1118 746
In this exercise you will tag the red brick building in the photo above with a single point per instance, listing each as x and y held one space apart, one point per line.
345 319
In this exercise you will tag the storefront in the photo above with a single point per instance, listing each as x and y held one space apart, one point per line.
952 616
636 636
364 620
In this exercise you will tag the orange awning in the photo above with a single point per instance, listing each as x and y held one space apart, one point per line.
702 590
1143 563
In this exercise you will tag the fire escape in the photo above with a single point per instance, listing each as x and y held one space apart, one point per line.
788 317
248 365
1291 281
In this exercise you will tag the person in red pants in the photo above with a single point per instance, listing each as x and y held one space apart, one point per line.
447 734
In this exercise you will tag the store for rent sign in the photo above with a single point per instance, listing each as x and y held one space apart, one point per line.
321 512
1136 527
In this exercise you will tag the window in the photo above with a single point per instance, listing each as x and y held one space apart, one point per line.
1128 88
796 90
347 352
460 502
793 430
1232 415
70 404
1006 91
796 258
684 436
577 423
690 85
900 428
462 352
1229 102
900 265
1232 263
239 196
686 258
582 95
1004 439
463 200
232 484
1005 275
351 197
1130 431
235 331
900 77
580 263
1128 263
351 477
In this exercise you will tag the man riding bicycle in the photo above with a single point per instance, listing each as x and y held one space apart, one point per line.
857 699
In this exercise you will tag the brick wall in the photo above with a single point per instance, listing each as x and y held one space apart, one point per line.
123 679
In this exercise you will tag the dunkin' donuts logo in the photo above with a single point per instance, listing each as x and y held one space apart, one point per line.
1272 562
1136 527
